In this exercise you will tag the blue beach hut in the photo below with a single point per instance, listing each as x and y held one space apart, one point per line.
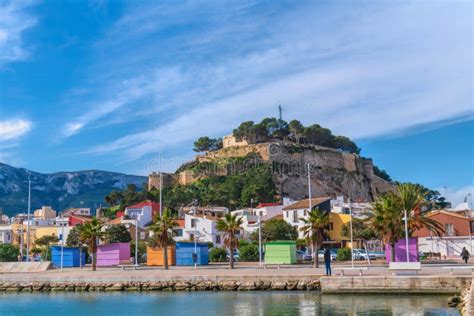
185 250
71 257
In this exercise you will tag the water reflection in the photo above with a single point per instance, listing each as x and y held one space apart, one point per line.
222 303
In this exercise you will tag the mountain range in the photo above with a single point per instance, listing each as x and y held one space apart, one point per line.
60 190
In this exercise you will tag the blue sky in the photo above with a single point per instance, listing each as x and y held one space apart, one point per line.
122 86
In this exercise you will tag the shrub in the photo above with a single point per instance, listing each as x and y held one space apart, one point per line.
344 254
217 255
8 253
248 252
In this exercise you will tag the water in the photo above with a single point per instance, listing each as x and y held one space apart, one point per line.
221 303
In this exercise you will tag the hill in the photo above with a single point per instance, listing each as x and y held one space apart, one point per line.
59 190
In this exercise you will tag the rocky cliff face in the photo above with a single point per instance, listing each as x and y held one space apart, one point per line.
59 190
333 172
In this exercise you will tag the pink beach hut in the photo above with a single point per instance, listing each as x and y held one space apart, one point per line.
113 254
400 250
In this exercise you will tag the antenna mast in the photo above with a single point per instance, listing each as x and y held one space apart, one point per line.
280 112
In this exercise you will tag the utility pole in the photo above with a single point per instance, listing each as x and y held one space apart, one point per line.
28 222
280 112
161 199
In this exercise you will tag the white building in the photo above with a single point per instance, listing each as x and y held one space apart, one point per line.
448 247
360 210
82 211
6 234
251 216
294 212
144 212
201 224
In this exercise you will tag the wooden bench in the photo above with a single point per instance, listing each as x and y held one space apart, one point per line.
452 268
360 269
125 266
404 267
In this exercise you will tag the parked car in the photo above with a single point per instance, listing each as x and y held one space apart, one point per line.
361 254
333 254
377 255
303 256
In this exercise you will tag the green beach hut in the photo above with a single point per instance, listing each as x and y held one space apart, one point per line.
280 252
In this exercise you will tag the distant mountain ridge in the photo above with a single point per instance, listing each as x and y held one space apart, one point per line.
59 190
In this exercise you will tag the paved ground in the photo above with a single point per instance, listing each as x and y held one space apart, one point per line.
242 269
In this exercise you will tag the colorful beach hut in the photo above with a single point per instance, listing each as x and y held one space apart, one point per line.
154 256
400 250
113 254
185 251
72 257
280 252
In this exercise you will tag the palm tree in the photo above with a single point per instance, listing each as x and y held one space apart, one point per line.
387 221
412 199
389 213
230 225
89 233
163 229
314 230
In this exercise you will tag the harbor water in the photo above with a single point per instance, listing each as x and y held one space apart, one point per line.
221 303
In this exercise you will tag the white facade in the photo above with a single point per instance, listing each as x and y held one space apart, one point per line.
449 247
144 214
6 234
359 209
251 217
292 217
40 222
82 211
203 228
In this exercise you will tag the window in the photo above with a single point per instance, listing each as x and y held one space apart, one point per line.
178 232
218 239
295 216
191 237
331 226
472 227
193 222
449 229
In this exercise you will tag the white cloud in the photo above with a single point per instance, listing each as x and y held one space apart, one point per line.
457 195
14 20
361 72
13 129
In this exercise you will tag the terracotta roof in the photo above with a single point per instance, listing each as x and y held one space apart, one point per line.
82 217
447 213
304 204
180 222
279 216
144 203
115 221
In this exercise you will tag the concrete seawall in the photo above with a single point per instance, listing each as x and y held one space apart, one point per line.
150 282
395 284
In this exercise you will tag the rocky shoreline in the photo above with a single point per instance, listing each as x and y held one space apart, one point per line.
170 286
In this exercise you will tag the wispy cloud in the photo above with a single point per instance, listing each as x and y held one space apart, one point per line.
13 129
194 69
459 194
14 20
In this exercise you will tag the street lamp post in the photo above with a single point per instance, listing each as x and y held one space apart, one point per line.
136 241
62 241
469 207
406 235
260 239
310 207
161 198
28 222
352 239
195 238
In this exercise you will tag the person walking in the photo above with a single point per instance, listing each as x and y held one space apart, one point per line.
327 261
465 254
